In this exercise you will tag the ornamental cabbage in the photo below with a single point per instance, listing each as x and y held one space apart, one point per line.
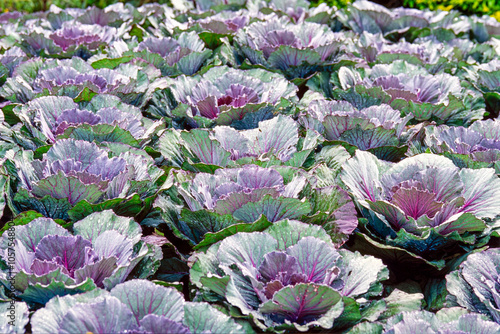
445 321
378 129
298 50
275 141
410 89
76 173
104 119
137 306
77 79
232 196
473 147
374 18
423 204
186 54
50 261
225 96
288 277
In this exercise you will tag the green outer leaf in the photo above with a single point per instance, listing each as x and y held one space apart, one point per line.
137 31
402 257
216 284
85 95
98 222
23 280
169 147
366 328
361 274
351 314
41 294
10 116
82 209
22 219
289 232
203 318
60 186
207 150
274 209
233 114
435 294
111 63
195 224
467 222
100 133
204 263
212 40
210 238
47 206
144 297
129 207
292 300
399 301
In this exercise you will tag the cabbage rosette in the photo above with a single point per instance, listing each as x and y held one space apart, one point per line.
204 208
72 32
378 129
410 89
50 261
273 142
477 146
297 50
71 39
104 119
75 178
423 208
79 80
224 96
288 277
182 55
